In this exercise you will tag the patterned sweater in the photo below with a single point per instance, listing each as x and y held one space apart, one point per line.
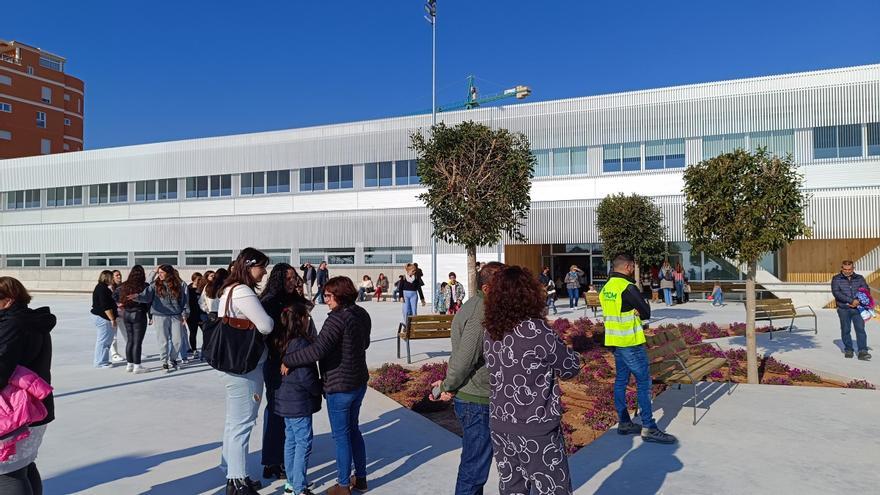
523 367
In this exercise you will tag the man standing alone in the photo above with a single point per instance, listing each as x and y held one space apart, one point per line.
309 277
845 287
322 276
467 381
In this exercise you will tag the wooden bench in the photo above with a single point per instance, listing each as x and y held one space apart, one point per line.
592 299
782 309
423 327
670 361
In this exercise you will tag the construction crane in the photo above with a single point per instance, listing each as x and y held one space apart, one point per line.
474 100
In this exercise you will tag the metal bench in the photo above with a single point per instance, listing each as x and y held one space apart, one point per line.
421 327
670 361
782 309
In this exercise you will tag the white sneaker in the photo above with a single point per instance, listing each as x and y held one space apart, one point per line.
117 358
139 369
129 367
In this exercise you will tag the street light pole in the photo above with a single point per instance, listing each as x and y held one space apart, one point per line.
431 8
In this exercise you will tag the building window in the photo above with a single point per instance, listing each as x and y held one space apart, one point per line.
5 80
79 105
45 146
718 145
66 147
378 174
406 172
153 190
209 186
663 154
561 161
17 200
779 143
277 256
253 183
336 256
622 157
387 255
30 70
208 258
153 258
312 179
874 139
340 177
41 120
837 141
116 192
66 97
67 122
278 181
64 259
22 260
108 259
6 135
63 196
46 95
51 64
542 163
5 107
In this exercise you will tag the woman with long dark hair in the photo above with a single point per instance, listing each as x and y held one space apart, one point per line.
243 391
134 317
24 341
280 292
209 300
525 357
341 351
104 311
169 308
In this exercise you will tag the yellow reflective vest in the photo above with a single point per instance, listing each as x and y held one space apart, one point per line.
622 329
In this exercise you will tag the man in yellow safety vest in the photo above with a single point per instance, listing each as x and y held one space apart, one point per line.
623 308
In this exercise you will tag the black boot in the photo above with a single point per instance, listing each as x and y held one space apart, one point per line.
240 487
274 472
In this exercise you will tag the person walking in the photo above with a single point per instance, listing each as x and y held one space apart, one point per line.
115 357
341 351
678 278
456 294
381 286
547 281
623 309
169 308
280 292
573 284
296 396
717 295
467 385
194 320
310 275
845 288
25 341
243 391
323 275
525 358
419 282
104 317
409 292
134 317
667 283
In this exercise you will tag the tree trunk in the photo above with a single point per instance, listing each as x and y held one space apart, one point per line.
637 278
473 284
751 344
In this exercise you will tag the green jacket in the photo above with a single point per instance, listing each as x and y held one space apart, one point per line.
467 375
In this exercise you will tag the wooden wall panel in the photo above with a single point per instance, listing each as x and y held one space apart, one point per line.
526 255
818 260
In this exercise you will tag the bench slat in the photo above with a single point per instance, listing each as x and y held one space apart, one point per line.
698 368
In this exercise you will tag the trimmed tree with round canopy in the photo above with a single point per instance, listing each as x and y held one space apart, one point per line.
632 225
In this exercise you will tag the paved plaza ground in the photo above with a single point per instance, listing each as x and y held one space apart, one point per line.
159 433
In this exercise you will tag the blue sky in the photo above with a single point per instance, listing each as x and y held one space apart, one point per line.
162 70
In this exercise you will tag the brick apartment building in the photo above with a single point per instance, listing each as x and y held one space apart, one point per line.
41 107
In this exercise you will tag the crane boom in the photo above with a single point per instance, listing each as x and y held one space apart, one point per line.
474 100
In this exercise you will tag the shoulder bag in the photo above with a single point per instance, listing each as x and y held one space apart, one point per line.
232 344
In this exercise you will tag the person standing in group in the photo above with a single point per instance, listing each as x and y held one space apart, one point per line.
323 275
409 292
134 317
678 278
381 286
623 309
456 294
282 290
194 320
115 357
297 395
467 385
845 288
573 284
169 309
366 287
244 392
25 341
441 299
525 358
209 300
104 311
717 295
667 282
310 275
547 281
341 350
397 295
419 282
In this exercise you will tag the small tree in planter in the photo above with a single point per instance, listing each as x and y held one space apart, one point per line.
633 225
740 206
478 182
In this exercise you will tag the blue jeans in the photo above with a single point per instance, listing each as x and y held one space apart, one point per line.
343 409
573 295
551 303
846 316
320 294
717 298
103 340
633 360
297 448
667 296
476 447
410 304
679 291
243 396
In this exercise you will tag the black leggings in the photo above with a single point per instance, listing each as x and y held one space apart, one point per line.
135 330
421 294
193 325
25 481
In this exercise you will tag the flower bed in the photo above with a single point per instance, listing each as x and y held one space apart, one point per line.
588 399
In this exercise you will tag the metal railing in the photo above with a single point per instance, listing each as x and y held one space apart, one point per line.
10 59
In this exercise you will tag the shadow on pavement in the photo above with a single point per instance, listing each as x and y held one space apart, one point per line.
152 376
642 470
783 341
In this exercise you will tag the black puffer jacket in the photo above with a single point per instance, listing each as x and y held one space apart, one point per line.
341 350
25 341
